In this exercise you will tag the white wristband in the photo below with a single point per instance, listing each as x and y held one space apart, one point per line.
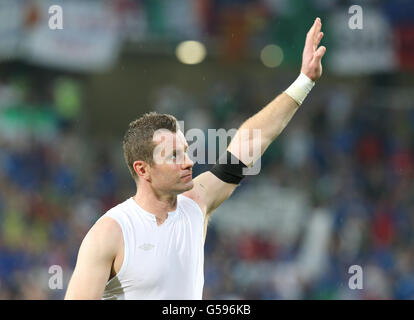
300 88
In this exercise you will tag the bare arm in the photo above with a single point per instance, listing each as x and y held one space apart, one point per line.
96 255
209 191
274 117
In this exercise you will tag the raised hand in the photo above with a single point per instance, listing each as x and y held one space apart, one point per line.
312 55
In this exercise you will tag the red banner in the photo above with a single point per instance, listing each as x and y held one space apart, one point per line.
404 36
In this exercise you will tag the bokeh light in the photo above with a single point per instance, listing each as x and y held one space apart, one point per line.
271 56
191 52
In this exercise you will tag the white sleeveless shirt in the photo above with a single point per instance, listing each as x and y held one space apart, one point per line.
160 262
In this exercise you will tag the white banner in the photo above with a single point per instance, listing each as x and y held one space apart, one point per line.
360 51
89 40
11 27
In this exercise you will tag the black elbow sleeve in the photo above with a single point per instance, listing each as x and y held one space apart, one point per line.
229 169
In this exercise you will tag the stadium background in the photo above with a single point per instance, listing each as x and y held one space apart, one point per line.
336 188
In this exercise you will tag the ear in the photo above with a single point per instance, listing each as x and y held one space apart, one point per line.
142 169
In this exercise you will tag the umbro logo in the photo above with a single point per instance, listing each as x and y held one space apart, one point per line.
146 246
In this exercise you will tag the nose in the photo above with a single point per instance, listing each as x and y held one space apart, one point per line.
188 163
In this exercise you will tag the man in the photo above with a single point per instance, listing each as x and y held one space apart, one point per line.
151 245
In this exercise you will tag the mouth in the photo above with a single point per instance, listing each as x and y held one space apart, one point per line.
190 175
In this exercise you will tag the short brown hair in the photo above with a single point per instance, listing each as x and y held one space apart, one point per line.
138 140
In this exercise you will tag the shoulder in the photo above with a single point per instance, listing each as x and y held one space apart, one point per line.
106 226
115 219
104 237
195 198
189 201
209 191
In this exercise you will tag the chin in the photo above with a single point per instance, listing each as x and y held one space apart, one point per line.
188 186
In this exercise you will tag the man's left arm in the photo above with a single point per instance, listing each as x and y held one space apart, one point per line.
273 118
209 191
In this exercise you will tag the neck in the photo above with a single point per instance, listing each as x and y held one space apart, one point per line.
159 204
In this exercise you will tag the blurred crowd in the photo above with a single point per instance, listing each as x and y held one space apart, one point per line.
349 149
335 189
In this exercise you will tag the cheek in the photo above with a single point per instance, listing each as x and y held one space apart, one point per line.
166 174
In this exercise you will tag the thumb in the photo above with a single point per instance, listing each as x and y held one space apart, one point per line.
320 52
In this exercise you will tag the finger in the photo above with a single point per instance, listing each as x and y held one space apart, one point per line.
311 33
310 38
318 27
318 40
320 52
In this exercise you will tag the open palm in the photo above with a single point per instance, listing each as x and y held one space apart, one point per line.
312 54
